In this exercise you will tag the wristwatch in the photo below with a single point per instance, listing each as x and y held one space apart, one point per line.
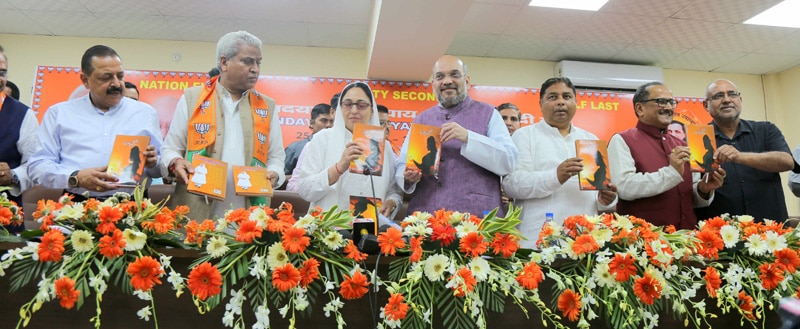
14 180
73 179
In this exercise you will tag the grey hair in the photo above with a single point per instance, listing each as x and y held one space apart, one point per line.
228 46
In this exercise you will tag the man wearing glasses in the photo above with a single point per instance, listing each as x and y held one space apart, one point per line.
752 152
650 167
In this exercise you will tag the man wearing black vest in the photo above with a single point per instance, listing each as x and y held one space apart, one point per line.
18 141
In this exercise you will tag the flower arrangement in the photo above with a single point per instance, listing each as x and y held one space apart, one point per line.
85 246
267 257
750 265
10 213
458 267
621 268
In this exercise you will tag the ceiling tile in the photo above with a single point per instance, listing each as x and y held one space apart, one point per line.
702 60
585 51
524 48
4 5
727 11
277 33
788 45
192 8
268 11
208 29
758 64
16 22
51 5
505 2
647 55
72 24
745 38
355 12
618 28
140 27
488 18
337 35
659 8
138 7
472 44
547 22
681 33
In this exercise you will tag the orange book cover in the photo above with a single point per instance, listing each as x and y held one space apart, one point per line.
364 209
209 178
595 174
127 159
252 181
702 145
371 139
424 147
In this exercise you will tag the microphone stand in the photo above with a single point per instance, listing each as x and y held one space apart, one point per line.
373 304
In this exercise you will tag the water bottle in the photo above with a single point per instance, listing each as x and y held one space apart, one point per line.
548 217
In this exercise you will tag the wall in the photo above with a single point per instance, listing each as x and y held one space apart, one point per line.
763 96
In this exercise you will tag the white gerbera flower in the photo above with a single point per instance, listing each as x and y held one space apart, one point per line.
435 267
602 236
774 241
465 228
134 240
304 221
260 216
622 222
217 247
755 246
276 256
333 240
730 235
82 240
603 277
745 219
480 268
74 211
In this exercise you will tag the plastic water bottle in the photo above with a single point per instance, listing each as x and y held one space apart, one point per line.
548 217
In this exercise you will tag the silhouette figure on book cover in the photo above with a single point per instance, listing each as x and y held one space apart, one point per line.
599 179
708 156
361 206
130 173
429 160
373 160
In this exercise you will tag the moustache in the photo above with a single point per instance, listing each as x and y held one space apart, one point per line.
665 111
113 89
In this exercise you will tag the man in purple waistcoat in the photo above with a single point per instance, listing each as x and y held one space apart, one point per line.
651 167
476 149
18 141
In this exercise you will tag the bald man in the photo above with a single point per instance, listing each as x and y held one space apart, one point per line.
476 149
753 153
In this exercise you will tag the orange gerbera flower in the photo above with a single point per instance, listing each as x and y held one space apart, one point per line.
713 281
788 259
771 275
52 246
316 211
440 217
286 213
309 272
248 231
295 240
746 305
352 252
710 244
569 303
91 204
65 291
669 229
505 244
574 224
108 216
647 288
5 216
162 223
715 223
396 309
585 244
622 266
390 240
44 212
530 276
546 231
469 282
444 233
416 249
111 245
237 215
204 281
145 273
354 287
473 245
285 277
181 210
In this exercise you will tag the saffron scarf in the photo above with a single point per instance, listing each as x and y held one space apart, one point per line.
203 127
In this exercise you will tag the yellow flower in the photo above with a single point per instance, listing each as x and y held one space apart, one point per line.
134 240
82 241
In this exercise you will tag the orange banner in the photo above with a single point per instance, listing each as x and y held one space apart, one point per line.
602 113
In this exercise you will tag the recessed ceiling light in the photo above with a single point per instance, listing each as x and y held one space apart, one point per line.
593 5
783 14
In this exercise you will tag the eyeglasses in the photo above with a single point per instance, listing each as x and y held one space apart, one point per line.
3 73
720 95
362 105
383 123
663 102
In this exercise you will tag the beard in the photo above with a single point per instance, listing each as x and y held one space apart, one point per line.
448 102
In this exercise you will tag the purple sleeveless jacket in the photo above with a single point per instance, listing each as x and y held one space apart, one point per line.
462 185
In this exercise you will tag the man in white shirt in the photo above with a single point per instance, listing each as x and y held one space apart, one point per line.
545 179
77 136
243 127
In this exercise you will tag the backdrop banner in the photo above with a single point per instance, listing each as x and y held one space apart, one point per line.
602 113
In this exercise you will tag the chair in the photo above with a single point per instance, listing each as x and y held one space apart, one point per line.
31 197
159 192
299 205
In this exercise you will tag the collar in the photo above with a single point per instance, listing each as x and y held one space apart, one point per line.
554 130
744 127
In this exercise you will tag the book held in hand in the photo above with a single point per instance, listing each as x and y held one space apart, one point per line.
127 159
209 178
702 145
371 140
595 174
252 181
424 148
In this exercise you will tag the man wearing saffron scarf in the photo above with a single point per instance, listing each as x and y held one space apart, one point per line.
476 149
241 127
651 167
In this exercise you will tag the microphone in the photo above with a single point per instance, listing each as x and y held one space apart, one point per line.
369 242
